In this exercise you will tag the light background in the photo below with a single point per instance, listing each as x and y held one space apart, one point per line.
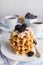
21 7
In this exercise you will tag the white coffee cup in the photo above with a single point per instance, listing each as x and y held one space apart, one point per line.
9 22
37 26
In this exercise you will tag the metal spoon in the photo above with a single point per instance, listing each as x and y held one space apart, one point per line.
37 52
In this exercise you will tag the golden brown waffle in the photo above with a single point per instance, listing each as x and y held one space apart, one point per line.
21 44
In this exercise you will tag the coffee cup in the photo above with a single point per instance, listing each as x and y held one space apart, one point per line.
37 26
9 22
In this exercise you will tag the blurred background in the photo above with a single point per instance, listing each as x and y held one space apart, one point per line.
21 7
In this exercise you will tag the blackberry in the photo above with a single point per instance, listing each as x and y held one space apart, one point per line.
21 29
35 16
17 27
24 25
30 16
27 15
31 53
34 42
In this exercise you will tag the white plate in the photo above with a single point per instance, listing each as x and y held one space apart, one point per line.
7 51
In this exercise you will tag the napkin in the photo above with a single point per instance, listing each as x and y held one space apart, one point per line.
5 61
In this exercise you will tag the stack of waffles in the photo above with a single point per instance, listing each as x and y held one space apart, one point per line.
22 43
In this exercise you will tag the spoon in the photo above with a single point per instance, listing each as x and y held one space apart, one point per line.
37 52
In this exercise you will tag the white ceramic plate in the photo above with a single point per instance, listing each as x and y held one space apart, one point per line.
7 51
